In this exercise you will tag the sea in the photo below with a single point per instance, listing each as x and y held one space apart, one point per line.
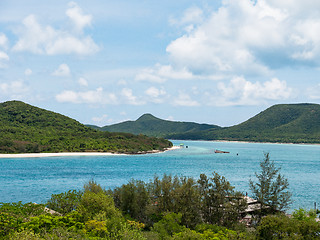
35 179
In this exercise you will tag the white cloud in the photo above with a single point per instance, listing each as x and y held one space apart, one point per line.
239 91
250 37
28 72
62 71
3 41
161 73
129 98
80 20
3 59
16 89
190 17
155 92
155 95
38 39
83 82
185 100
100 119
97 96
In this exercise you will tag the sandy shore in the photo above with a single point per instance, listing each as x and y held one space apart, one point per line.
71 154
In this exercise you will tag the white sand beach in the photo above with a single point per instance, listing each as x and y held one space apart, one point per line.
71 154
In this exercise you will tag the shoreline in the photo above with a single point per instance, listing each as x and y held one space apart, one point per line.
75 154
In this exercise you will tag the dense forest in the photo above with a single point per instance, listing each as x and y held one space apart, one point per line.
150 125
285 123
28 129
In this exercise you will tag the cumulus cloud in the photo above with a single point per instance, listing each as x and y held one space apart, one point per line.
98 96
129 98
185 100
15 89
77 16
62 71
40 39
251 37
161 73
3 41
83 82
239 91
3 59
191 16
155 95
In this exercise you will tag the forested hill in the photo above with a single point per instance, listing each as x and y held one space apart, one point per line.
25 128
149 125
287 123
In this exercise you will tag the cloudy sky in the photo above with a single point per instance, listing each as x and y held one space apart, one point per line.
208 61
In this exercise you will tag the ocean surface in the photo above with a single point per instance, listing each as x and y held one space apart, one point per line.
35 179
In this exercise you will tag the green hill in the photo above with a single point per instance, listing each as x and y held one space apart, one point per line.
25 128
149 125
289 123
286 123
279 123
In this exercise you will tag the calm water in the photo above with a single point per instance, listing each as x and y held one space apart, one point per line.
35 179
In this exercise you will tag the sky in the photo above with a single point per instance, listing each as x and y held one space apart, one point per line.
208 61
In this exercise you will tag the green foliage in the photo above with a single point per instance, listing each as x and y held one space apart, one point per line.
46 223
173 207
152 126
92 186
176 194
211 200
92 204
64 202
133 199
28 129
302 215
271 188
25 234
286 123
12 215
283 227
220 203
168 225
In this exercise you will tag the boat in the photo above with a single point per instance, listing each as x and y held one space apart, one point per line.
219 151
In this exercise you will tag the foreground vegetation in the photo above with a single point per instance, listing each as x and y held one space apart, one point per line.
129 213
167 208
28 129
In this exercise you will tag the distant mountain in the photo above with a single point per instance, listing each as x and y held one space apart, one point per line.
150 125
25 128
279 123
286 123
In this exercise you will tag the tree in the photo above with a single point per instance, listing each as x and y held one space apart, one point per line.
64 202
271 189
220 204
280 226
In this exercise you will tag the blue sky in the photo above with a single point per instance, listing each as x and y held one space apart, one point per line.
102 62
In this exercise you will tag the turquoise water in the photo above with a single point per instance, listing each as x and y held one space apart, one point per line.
35 179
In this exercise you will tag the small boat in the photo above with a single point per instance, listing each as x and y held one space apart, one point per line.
219 151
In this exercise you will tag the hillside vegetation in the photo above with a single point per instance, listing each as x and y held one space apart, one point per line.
25 128
149 125
291 123
286 123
